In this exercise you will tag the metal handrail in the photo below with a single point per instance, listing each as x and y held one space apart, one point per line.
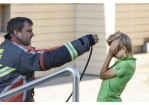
44 79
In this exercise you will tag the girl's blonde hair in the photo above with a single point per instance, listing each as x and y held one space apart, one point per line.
123 40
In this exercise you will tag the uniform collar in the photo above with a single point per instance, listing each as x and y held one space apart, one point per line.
14 38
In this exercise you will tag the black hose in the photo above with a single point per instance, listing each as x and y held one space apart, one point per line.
83 71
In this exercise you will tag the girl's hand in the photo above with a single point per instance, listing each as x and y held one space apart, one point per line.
113 48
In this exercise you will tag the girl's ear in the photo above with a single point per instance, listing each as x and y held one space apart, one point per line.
124 48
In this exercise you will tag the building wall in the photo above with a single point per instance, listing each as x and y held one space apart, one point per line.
93 18
58 23
133 19
54 25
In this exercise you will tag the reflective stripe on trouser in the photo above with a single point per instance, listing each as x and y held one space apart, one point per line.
17 79
71 50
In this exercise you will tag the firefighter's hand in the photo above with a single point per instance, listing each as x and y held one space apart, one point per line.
95 36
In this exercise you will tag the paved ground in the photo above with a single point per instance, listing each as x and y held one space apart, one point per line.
60 88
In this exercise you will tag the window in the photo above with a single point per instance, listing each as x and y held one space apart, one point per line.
4 17
1 17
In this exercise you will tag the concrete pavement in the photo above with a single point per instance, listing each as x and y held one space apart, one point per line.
59 89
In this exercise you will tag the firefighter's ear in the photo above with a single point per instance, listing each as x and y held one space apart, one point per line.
16 32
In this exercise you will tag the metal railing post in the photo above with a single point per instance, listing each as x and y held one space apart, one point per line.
36 82
76 80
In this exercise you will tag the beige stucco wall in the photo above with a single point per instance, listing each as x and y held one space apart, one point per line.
133 19
58 23
54 25
94 18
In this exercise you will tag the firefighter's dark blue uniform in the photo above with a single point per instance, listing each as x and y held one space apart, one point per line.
18 62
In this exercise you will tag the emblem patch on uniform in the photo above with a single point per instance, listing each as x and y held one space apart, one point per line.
117 67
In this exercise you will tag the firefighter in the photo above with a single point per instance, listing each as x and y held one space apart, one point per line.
19 61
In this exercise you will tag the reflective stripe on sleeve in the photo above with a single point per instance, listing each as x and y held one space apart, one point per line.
76 54
71 50
6 70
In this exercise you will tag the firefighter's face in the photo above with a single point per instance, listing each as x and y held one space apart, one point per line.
26 34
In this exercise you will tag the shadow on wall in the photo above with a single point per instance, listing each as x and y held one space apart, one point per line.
145 47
